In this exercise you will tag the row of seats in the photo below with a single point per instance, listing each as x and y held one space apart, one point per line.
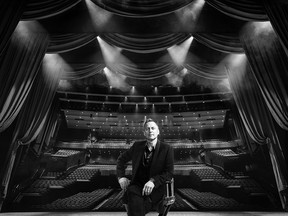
115 203
79 201
198 199
205 172
227 159
52 175
84 173
46 183
224 152
66 152
208 201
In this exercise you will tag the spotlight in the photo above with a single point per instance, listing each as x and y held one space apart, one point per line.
178 53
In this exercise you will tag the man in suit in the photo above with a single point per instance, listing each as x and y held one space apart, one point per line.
152 166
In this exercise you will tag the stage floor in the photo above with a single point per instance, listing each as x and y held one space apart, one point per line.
196 213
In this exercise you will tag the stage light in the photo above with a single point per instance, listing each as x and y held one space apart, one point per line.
111 54
226 84
259 34
176 79
179 52
236 64
99 16
116 80
27 32
54 67
133 90
189 14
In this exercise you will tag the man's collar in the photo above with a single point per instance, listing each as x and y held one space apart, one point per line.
153 143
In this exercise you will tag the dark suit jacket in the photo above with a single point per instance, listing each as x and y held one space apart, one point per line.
162 166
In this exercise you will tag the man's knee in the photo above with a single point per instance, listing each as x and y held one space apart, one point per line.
134 190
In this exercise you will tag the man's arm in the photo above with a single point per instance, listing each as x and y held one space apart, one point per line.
122 162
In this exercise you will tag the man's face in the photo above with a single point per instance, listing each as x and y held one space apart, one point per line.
151 131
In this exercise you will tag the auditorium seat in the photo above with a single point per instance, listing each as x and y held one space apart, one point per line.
203 176
51 175
44 190
86 173
113 203
83 201
66 152
207 201
226 159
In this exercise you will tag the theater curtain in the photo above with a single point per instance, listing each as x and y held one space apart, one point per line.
252 108
33 115
147 43
144 71
249 10
277 11
18 69
207 71
270 66
59 43
274 10
226 43
240 128
36 9
141 8
48 131
81 71
10 13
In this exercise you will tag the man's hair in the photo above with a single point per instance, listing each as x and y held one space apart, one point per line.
149 120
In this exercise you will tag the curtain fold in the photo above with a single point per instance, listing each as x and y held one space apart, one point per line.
277 12
34 112
145 43
60 43
207 71
36 9
252 108
249 10
141 8
18 69
241 130
144 71
227 43
10 13
32 116
81 71
270 66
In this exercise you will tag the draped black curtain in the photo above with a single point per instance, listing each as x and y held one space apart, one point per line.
147 43
270 66
10 14
241 130
36 9
18 69
226 43
252 108
32 116
59 43
144 71
207 71
141 8
249 10
277 11
81 71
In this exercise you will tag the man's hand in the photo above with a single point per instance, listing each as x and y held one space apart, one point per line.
148 187
124 182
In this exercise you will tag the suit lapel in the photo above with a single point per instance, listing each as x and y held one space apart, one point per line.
155 156
139 152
